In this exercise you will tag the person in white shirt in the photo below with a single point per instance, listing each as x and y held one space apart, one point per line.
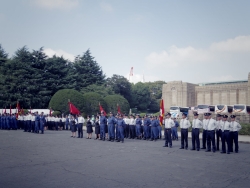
132 127
81 121
184 125
204 132
169 123
63 122
211 127
218 131
126 129
225 129
33 119
196 126
234 133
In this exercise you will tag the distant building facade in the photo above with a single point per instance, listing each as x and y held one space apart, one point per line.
178 93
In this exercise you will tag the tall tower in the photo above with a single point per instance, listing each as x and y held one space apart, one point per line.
131 75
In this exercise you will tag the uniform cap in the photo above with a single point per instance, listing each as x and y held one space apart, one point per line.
168 114
196 114
225 116
218 115
232 116
184 114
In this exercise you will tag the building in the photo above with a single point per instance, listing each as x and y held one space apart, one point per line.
178 93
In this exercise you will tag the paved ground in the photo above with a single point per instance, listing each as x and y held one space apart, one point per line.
56 160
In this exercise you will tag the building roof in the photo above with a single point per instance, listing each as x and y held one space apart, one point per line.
228 82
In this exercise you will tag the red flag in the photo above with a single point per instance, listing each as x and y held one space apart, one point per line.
50 111
73 109
17 109
118 109
102 110
161 111
10 110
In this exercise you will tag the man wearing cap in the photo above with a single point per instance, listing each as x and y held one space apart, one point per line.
111 127
218 131
184 125
225 129
196 126
103 122
138 126
169 123
121 125
154 124
204 132
211 127
234 133
146 123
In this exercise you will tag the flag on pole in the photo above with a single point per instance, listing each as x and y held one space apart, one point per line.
119 109
102 110
73 109
161 111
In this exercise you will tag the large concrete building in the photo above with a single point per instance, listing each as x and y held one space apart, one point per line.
178 93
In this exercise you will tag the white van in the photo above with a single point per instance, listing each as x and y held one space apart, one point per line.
241 108
223 109
175 111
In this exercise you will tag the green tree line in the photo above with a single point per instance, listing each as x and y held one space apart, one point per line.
32 78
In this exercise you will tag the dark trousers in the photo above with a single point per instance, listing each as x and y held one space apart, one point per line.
80 132
204 138
231 141
184 137
195 139
225 139
29 125
132 131
235 140
25 126
146 136
211 137
127 131
218 137
36 126
42 127
33 126
168 138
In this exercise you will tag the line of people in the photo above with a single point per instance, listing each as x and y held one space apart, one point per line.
221 128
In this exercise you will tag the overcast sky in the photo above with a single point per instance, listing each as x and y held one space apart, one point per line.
193 41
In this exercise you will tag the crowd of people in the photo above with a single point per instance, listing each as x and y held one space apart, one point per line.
117 128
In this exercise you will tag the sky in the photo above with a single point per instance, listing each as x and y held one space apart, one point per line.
193 41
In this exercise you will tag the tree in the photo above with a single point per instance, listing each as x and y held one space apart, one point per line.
155 89
141 96
120 85
91 103
59 101
86 71
100 89
113 100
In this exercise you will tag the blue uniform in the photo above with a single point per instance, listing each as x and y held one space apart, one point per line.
1 122
146 124
103 122
121 126
138 127
111 128
154 124
174 130
37 121
7 122
42 123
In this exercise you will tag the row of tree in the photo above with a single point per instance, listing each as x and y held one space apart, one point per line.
32 78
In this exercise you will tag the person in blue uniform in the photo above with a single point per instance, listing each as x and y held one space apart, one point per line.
67 123
154 124
37 122
146 123
103 123
111 127
234 133
0 121
138 126
8 122
42 123
121 126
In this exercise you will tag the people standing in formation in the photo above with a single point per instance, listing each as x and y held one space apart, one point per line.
130 127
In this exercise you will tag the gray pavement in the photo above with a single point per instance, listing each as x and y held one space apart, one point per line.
57 160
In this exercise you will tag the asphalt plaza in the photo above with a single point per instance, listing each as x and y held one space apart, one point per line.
54 159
